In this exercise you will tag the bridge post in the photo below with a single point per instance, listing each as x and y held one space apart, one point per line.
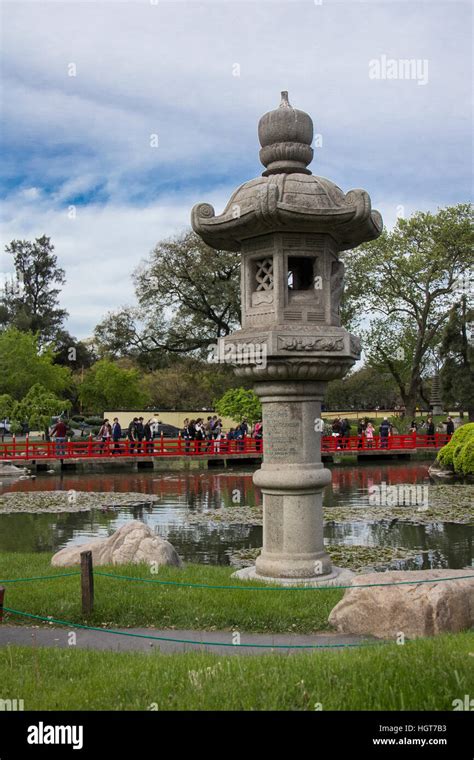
87 583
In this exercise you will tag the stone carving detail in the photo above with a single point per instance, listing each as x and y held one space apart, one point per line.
205 210
337 285
324 369
262 298
264 274
324 343
355 345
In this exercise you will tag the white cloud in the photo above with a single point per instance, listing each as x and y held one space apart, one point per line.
168 69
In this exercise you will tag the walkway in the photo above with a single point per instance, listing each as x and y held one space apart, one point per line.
101 640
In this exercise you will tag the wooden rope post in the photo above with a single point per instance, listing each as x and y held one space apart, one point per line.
87 583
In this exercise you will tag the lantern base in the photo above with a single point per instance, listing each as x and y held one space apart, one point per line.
338 576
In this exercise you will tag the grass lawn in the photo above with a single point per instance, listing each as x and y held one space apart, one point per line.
425 674
135 604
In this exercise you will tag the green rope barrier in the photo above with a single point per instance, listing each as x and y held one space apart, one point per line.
188 584
274 588
40 577
186 641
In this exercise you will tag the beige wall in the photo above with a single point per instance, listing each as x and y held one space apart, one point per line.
169 418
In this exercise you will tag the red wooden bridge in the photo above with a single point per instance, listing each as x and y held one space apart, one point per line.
26 450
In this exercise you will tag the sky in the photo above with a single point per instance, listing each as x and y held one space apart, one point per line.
119 116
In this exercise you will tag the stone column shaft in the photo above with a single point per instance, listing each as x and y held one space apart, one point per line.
291 479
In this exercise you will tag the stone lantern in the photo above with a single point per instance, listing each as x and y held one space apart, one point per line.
289 227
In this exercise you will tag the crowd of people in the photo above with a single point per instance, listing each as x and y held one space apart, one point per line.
366 432
208 433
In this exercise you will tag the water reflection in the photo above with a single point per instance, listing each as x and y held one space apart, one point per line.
436 545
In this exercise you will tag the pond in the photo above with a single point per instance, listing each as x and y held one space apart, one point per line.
190 505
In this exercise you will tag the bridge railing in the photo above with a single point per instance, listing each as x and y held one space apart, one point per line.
402 442
90 448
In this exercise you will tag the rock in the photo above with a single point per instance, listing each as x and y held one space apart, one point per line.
415 609
440 472
8 470
134 542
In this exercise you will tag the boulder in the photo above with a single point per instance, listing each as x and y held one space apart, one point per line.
414 609
134 542
8 470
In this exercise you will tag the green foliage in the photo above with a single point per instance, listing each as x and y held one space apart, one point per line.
23 365
459 452
188 383
404 282
106 385
197 285
93 421
37 408
72 353
457 354
237 403
30 301
6 405
365 388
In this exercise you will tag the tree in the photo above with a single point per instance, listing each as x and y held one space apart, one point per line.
23 364
237 403
188 384
71 352
107 386
37 408
30 301
404 282
188 296
457 355
366 388
6 406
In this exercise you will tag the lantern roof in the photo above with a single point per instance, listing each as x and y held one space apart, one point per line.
288 197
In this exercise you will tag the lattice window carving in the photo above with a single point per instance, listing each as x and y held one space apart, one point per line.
264 273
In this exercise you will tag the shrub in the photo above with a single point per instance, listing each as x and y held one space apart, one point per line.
459 452
94 421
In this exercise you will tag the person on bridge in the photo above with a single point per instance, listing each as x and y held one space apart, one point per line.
430 431
337 431
369 435
59 432
384 433
147 432
105 433
449 426
140 433
258 435
116 434
132 433
200 433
